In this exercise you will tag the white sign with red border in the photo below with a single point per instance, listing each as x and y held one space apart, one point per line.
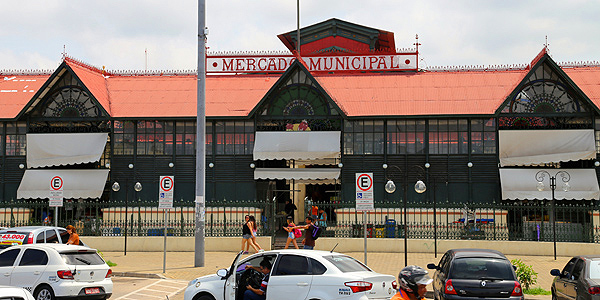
56 191
166 188
364 192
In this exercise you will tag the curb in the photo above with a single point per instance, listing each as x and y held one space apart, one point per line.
138 275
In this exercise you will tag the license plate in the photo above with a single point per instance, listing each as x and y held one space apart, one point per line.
89 291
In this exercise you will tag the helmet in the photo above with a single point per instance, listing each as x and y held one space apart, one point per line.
411 277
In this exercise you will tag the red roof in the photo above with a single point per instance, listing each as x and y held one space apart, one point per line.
367 94
16 91
424 93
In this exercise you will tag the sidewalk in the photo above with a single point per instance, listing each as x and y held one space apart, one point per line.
180 265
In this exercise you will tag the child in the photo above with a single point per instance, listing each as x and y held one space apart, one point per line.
291 234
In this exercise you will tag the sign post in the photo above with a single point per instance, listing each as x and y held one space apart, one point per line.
364 200
56 196
165 202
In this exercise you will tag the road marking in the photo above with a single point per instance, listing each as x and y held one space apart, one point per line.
173 287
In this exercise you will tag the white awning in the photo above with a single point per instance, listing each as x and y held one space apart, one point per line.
76 183
296 173
521 184
297 144
59 149
538 147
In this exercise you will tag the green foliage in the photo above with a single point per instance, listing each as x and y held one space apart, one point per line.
108 262
537 291
525 273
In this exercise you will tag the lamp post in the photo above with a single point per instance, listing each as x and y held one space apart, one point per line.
565 177
390 187
116 187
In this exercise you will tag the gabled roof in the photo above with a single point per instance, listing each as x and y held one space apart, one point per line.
16 91
335 32
442 93
93 79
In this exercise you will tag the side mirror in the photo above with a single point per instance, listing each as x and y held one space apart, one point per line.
432 267
222 273
514 267
555 272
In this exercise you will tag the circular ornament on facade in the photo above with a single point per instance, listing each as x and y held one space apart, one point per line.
298 107
71 102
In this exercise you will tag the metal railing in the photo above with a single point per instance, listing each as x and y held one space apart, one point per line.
575 222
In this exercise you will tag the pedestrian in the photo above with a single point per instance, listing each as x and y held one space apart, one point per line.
291 232
246 234
322 218
308 241
289 208
73 236
259 293
412 282
253 230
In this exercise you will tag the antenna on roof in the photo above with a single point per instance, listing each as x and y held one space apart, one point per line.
546 43
146 59
64 53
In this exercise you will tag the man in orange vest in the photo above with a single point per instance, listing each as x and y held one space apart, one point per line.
412 282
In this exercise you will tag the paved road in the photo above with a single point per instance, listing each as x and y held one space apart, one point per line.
129 288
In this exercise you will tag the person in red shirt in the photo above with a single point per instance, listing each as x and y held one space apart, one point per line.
413 281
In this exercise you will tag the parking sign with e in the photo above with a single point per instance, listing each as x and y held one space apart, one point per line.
364 192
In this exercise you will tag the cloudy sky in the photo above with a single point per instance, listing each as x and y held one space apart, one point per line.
116 33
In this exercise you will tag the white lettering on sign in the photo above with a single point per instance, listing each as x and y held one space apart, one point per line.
261 64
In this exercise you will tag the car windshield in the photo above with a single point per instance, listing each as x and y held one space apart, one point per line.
346 263
594 270
82 258
481 268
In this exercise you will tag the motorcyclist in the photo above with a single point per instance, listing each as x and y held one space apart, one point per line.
412 283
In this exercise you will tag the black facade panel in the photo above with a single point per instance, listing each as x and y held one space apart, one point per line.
12 172
458 171
485 168
185 168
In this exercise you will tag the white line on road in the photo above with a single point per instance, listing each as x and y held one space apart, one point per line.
153 292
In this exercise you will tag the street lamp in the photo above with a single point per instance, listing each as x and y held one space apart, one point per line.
565 177
390 187
116 187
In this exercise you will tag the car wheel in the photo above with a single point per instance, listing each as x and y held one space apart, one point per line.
554 295
43 292
205 297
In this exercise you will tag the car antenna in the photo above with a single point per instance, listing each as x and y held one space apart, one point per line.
334 247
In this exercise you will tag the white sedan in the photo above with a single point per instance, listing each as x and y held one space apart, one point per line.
11 292
295 275
51 271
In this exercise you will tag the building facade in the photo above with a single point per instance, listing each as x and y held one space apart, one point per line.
300 126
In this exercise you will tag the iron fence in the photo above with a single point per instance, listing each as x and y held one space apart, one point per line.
575 222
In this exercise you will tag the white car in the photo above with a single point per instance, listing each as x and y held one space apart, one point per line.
51 271
15 293
296 274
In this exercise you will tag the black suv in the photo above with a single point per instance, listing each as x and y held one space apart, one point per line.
475 273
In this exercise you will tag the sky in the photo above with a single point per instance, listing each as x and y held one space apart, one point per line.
117 33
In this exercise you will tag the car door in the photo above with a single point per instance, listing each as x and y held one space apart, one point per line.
29 269
571 289
439 277
230 284
7 261
562 283
290 278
